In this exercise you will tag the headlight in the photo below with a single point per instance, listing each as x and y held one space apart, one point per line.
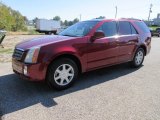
32 55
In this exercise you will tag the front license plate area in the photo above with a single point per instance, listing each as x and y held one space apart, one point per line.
17 66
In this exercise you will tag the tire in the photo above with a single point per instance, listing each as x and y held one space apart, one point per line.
138 58
62 73
54 32
46 33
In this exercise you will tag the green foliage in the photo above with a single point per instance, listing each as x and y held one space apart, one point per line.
57 18
69 23
11 20
6 51
66 23
153 27
101 17
33 32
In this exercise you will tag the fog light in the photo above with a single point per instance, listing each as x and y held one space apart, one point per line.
25 70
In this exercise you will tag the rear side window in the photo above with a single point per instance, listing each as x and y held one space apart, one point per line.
134 31
124 28
109 29
143 26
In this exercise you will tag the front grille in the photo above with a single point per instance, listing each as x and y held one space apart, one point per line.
18 54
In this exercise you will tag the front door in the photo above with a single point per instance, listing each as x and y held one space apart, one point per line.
104 51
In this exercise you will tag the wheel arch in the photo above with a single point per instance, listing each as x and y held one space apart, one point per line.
144 48
69 56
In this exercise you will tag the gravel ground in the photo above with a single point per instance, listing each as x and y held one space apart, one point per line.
115 93
9 43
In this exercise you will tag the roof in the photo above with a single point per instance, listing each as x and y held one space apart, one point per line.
99 20
127 19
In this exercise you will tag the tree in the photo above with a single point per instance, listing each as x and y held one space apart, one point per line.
10 19
101 17
19 21
25 19
75 20
34 20
57 18
70 23
65 23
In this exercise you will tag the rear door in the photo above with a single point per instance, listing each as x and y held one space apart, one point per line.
128 40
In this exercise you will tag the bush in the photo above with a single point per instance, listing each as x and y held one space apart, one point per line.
10 19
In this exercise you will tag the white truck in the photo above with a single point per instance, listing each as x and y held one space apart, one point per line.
48 26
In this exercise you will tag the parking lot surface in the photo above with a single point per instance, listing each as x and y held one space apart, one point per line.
114 93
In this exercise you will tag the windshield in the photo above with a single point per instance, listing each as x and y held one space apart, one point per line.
79 29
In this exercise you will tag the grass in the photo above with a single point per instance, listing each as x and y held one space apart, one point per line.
154 27
29 32
33 32
6 51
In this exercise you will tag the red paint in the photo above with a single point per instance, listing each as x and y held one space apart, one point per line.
92 55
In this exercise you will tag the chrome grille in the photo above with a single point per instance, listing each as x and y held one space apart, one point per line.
18 54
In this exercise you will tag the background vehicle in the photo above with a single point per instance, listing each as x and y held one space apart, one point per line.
155 32
83 47
47 26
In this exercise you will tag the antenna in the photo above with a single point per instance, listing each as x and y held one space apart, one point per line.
116 12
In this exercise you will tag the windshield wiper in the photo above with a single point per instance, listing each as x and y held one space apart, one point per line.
69 35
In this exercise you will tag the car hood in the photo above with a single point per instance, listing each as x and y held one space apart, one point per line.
42 41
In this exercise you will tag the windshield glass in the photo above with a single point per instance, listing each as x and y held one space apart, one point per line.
79 29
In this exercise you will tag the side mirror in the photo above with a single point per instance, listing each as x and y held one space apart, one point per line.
97 35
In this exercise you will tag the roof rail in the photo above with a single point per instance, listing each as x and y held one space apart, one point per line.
132 19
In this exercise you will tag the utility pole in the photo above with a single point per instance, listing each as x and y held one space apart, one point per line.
150 11
116 12
80 17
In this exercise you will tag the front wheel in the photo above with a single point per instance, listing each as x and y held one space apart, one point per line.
138 58
62 73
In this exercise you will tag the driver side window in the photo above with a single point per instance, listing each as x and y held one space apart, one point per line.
109 29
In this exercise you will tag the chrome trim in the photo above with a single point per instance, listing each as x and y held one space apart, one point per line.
20 49
20 52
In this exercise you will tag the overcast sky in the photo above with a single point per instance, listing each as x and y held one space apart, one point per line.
70 9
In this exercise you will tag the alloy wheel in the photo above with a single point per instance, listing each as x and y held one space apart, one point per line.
139 57
64 74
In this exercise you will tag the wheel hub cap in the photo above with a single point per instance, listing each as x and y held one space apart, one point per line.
64 74
139 57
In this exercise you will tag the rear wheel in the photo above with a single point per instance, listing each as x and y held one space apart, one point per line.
62 73
138 58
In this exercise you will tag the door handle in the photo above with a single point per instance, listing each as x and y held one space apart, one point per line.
131 42
138 37
117 40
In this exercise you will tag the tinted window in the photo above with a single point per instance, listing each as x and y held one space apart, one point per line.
124 28
133 30
109 29
143 26
158 29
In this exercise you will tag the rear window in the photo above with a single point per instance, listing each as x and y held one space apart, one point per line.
143 27
134 31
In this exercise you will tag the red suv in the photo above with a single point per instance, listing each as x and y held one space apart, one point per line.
83 47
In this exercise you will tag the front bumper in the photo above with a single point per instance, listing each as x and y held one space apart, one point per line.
32 72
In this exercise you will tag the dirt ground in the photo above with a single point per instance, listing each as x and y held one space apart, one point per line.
9 44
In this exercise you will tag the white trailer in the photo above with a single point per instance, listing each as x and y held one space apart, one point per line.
48 26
